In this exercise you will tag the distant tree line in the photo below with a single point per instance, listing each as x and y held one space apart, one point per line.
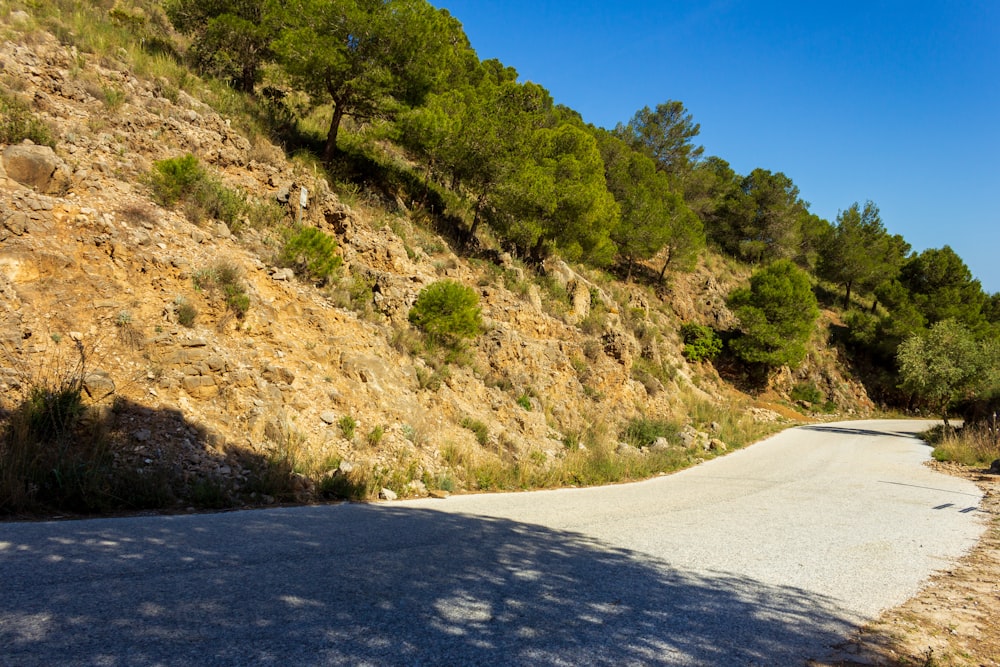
543 181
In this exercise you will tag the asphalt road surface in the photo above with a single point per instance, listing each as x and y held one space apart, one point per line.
768 556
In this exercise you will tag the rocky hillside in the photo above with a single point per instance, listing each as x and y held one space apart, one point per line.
328 379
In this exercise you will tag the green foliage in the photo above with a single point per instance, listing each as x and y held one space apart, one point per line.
478 429
347 426
665 135
642 432
946 364
777 314
447 311
859 252
186 312
172 179
18 122
183 180
806 391
366 58
311 253
230 38
226 278
700 342
524 400
374 436
558 199
940 287
756 218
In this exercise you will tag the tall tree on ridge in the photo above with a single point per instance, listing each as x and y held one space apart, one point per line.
366 58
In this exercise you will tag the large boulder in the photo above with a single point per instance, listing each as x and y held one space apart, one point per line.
37 167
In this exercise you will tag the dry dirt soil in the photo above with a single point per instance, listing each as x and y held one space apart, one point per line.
955 620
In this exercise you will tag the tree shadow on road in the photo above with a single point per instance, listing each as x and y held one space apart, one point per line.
847 430
377 585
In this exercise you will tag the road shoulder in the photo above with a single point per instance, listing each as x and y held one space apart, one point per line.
955 619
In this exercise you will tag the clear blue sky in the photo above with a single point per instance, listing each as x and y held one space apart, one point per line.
896 102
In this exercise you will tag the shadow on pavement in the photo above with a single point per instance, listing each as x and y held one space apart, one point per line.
376 585
846 430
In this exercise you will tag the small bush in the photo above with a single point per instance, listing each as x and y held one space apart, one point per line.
174 178
700 342
347 426
312 254
183 180
374 436
227 279
186 313
18 122
524 400
807 392
447 312
478 429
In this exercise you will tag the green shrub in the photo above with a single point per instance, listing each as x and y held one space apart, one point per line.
186 313
478 429
183 180
347 426
174 178
374 436
447 312
806 391
524 401
227 279
18 122
700 342
312 253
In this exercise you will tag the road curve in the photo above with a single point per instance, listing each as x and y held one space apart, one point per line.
768 556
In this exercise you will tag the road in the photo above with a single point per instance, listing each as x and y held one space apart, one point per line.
768 556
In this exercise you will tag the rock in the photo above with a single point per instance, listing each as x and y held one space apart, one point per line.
438 493
417 488
278 374
660 444
995 468
580 297
387 494
142 435
200 386
37 167
98 385
329 416
345 467
717 445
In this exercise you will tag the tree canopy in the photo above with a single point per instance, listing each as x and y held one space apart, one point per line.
946 363
230 38
777 313
365 58
858 251
666 135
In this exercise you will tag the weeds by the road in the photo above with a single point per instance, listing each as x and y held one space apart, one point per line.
976 445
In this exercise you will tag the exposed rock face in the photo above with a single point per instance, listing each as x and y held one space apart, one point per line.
37 167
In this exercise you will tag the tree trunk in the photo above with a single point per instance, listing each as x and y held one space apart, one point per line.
330 151
475 219
847 296
628 271
666 263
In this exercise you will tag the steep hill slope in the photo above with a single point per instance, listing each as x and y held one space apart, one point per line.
319 391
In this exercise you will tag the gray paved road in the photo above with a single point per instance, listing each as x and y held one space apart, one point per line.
768 556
